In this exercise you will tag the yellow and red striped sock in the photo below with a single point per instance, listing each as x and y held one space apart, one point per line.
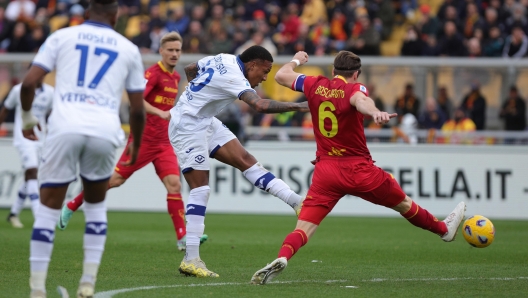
425 220
292 243
176 210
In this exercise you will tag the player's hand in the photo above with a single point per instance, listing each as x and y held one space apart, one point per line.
132 152
382 117
301 56
29 121
165 115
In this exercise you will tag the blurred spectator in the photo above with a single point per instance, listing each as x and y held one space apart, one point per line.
251 6
365 40
428 24
6 27
432 116
198 14
472 21
412 44
516 44
303 43
289 25
442 11
194 42
491 20
123 15
132 6
474 104
221 43
494 43
76 15
313 12
217 22
444 102
156 33
178 21
21 41
451 15
258 38
319 37
460 122
38 36
513 111
502 12
451 44
430 47
382 14
407 103
20 10
142 40
155 17
231 117
517 19
474 49
407 130
338 32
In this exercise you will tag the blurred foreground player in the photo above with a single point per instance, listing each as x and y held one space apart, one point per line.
94 65
28 150
159 97
343 164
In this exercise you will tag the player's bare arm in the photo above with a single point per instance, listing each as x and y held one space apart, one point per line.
365 105
191 71
27 94
137 123
150 109
262 105
286 75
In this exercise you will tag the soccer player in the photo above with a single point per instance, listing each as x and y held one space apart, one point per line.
197 136
94 64
159 96
343 163
28 150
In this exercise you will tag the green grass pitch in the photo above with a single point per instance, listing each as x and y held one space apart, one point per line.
348 257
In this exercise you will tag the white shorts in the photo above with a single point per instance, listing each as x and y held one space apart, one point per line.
61 154
194 148
29 154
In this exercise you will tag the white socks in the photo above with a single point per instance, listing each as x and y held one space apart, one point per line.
32 190
94 239
19 203
41 245
195 215
263 179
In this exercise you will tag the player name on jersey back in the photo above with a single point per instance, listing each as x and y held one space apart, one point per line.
94 64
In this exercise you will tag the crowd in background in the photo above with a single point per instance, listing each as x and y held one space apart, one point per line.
472 28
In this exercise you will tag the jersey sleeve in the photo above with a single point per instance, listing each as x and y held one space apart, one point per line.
236 85
46 57
360 88
303 83
11 100
151 79
135 81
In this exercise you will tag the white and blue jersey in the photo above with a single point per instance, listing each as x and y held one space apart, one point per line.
41 108
94 65
219 82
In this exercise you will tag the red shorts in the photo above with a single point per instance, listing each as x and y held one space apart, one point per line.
161 155
335 177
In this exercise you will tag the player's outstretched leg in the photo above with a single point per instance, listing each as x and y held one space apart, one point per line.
292 243
265 180
192 265
68 209
422 218
13 218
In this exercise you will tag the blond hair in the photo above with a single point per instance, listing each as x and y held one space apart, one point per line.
171 36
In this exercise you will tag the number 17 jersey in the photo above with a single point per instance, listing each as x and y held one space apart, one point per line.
94 64
337 125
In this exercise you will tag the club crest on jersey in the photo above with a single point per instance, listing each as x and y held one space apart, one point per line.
199 159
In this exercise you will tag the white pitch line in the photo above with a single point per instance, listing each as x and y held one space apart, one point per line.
111 293
441 279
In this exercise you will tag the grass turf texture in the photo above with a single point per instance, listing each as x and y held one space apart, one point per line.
382 257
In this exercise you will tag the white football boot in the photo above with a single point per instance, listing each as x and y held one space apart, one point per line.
268 273
453 221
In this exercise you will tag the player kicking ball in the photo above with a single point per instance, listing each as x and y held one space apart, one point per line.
197 136
159 96
29 150
343 164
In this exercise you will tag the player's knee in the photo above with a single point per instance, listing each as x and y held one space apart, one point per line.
116 181
173 185
31 174
404 206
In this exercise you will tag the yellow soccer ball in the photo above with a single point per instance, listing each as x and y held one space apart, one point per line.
478 231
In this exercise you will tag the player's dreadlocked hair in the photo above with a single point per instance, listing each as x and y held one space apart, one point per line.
346 64
255 53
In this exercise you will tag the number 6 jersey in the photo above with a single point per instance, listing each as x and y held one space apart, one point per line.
94 64
337 125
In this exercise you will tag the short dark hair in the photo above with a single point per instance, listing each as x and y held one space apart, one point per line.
256 53
346 64
104 7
